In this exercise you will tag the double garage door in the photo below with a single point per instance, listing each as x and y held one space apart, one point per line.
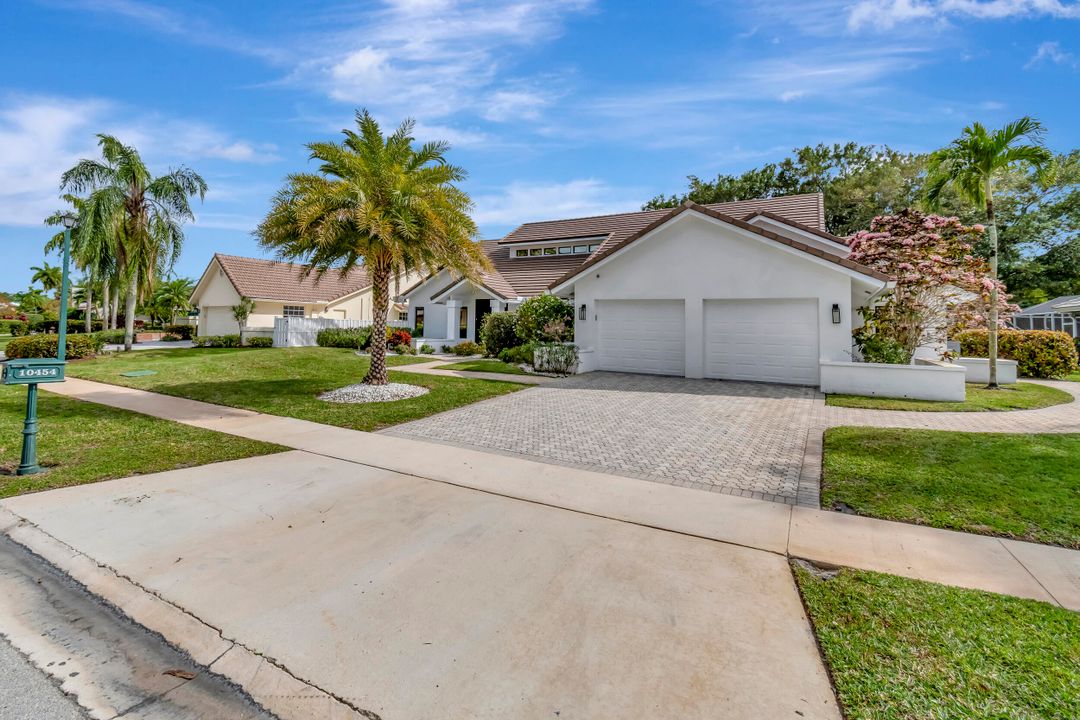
760 340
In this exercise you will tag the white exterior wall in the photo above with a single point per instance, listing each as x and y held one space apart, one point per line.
938 381
693 258
441 318
978 370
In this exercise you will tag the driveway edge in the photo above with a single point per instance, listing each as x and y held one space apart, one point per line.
271 685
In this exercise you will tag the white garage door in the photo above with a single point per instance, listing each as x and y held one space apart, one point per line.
642 336
219 321
763 340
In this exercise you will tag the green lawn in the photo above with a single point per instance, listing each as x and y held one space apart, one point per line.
81 442
1075 377
286 382
1022 396
900 649
1020 486
492 366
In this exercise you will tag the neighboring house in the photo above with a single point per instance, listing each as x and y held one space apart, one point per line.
281 289
747 290
1062 313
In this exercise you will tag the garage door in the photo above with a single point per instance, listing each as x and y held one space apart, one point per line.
763 340
219 321
642 336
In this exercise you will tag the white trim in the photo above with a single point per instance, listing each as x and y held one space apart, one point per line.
745 233
481 288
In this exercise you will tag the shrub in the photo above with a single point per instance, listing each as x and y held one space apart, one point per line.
544 318
520 355
1038 353
45 346
14 327
397 336
216 341
184 332
426 349
169 337
260 342
355 338
467 348
499 332
111 337
404 349
558 358
877 347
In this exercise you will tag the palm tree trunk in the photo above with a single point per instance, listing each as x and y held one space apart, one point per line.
89 311
380 296
129 312
105 305
993 335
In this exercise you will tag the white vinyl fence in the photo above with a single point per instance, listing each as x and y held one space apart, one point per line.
302 332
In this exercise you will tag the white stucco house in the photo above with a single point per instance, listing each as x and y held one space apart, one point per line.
747 290
281 289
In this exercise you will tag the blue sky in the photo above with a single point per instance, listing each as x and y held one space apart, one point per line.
557 108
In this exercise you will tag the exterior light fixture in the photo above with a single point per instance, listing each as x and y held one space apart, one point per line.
836 313
68 221
581 312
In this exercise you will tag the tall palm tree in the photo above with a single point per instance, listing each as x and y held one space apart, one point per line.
49 276
381 202
969 164
93 250
144 212
173 296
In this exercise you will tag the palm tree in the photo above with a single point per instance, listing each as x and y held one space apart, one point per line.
377 201
145 213
173 296
48 275
93 249
969 165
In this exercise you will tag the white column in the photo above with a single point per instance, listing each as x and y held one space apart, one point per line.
452 319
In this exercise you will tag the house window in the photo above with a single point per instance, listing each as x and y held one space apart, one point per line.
536 251
565 250
521 253
463 323
594 248
419 322
403 315
292 310
550 251
578 249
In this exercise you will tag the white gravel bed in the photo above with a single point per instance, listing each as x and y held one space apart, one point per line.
373 393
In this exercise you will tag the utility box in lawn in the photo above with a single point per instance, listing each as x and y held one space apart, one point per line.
30 371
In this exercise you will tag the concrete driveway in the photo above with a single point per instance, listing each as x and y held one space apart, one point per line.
408 598
738 438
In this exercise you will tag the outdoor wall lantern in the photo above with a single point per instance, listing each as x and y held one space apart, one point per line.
581 312
836 313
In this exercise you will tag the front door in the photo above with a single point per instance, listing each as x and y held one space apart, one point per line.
483 307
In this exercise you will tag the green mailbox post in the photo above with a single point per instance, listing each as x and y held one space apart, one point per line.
31 371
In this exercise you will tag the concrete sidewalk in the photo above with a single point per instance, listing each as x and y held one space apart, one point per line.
433 368
1015 568
331 589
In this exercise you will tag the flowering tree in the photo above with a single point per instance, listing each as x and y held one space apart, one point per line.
941 286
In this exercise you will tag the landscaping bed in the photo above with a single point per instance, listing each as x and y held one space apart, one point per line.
905 649
492 366
82 442
1022 486
1022 396
287 381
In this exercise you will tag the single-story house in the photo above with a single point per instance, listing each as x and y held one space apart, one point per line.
282 289
746 290
1061 313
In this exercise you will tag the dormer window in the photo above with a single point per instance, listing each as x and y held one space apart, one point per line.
578 248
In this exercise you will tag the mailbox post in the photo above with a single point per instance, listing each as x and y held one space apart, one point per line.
31 371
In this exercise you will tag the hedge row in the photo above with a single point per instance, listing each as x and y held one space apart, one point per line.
79 345
360 338
1038 353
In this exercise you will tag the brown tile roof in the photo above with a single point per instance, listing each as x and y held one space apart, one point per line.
706 210
806 209
520 277
798 225
276 280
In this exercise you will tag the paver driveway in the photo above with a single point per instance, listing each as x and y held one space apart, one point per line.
738 438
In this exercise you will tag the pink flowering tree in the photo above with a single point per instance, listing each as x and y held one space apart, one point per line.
941 286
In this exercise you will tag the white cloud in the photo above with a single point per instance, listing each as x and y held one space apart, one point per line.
885 14
435 58
529 201
789 95
41 137
1051 52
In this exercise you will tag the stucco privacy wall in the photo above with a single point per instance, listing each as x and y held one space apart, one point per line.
697 258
